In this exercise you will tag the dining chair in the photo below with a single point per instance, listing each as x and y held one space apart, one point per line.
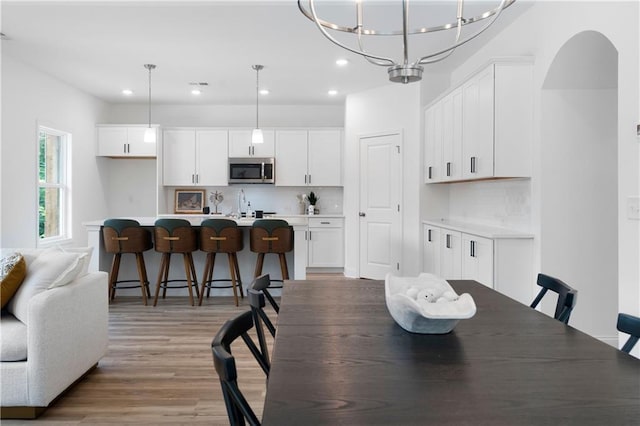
630 325
238 409
262 284
567 296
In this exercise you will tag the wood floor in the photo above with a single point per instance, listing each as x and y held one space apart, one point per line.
159 369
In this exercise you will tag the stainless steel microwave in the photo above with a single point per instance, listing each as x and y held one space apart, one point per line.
252 170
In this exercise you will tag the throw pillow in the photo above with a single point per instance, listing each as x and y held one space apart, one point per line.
12 271
51 267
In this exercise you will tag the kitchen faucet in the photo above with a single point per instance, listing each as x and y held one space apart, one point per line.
241 201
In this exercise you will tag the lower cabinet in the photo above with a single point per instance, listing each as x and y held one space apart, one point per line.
499 259
325 239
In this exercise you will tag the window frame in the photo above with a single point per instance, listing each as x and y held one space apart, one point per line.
64 186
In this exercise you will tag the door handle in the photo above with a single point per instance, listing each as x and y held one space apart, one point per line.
362 214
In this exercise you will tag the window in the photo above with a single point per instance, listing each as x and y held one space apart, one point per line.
54 191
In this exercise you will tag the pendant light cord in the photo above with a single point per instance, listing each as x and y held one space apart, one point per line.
257 95
149 67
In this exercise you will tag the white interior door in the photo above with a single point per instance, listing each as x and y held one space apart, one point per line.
380 199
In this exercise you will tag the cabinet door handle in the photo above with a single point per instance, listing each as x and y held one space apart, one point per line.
197 178
472 248
309 235
305 178
124 148
325 223
429 172
429 235
473 164
193 180
448 242
362 214
448 168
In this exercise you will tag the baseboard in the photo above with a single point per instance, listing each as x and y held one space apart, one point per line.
30 413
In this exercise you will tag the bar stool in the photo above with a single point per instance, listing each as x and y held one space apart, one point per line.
271 236
127 236
175 236
221 236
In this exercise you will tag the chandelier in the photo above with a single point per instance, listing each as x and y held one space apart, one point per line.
403 71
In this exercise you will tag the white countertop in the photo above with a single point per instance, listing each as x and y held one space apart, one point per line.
479 230
196 219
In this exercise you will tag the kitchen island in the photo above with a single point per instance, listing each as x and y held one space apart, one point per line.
296 260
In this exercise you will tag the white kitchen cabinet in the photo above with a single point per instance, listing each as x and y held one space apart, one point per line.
498 258
433 143
309 158
291 157
477 259
450 254
240 144
431 249
483 128
326 243
195 157
451 164
125 141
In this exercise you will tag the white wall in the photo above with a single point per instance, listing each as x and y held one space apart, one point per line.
29 98
393 107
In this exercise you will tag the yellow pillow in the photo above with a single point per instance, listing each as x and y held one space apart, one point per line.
13 269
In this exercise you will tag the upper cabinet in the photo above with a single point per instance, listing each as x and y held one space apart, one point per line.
240 144
124 141
195 157
482 129
309 157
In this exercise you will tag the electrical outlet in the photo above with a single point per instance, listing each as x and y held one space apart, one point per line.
633 208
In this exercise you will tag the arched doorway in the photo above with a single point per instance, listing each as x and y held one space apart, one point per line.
579 179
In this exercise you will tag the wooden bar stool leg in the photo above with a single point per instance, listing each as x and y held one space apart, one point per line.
165 280
194 276
140 264
161 273
187 271
232 273
113 277
144 275
283 266
213 262
205 279
237 268
259 264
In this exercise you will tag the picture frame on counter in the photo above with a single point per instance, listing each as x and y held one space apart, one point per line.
189 201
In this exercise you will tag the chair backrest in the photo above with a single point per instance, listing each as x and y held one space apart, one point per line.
567 296
271 236
175 236
630 325
256 300
262 284
125 236
220 236
238 409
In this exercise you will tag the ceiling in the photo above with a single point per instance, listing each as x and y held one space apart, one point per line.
100 47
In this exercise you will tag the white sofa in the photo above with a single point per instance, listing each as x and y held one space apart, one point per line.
65 336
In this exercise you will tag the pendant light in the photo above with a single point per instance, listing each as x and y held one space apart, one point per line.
150 133
256 135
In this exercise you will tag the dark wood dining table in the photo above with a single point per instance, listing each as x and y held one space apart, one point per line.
340 359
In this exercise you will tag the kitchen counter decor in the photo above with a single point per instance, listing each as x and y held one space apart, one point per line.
426 304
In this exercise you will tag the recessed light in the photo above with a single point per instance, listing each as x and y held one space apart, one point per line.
264 91
127 92
196 92
332 92
342 62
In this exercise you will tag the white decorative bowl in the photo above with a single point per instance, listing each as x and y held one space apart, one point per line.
426 304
